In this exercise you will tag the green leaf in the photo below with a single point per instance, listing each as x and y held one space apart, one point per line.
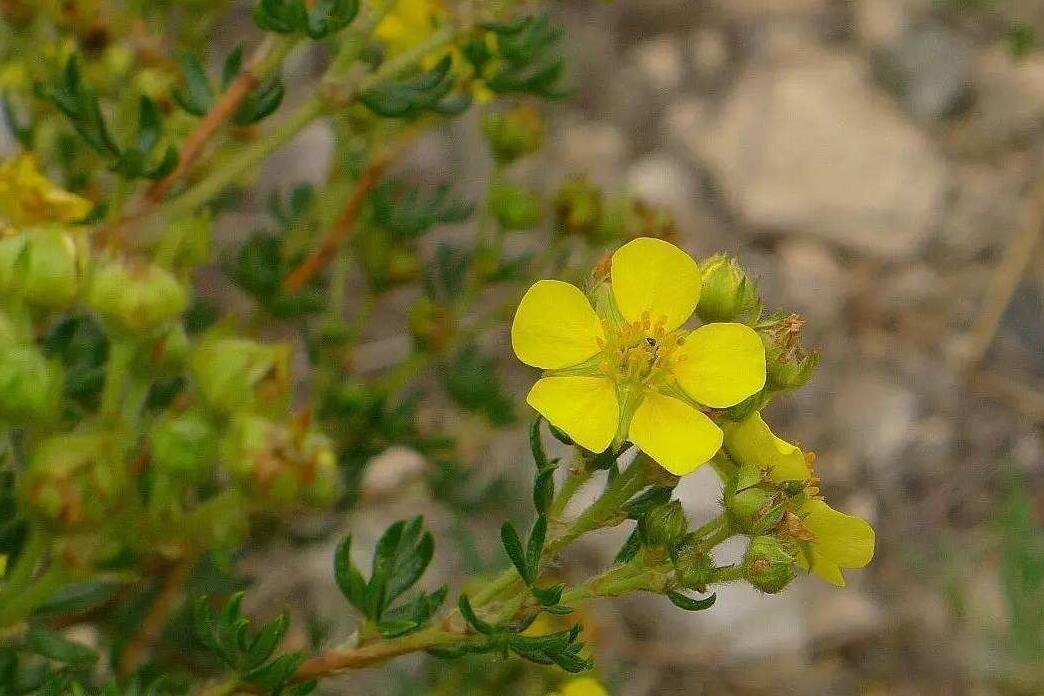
536 445
43 641
513 547
349 580
630 548
78 598
464 605
329 16
267 640
688 603
275 675
544 489
535 549
260 103
233 64
197 97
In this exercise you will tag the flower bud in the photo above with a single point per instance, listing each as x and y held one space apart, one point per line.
136 297
30 385
693 564
665 524
578 207
222 522
768 565
169 352
285 466
788 364
727 293
236 373
626 217
12 332
76 480
184 446
514 133
40 266
514 207
432 325
403 265
755 511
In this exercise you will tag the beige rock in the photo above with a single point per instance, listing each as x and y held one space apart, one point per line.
811 146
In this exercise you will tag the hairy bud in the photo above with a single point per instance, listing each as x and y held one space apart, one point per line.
693 564
30 385
727 294
578 207
755 511
184 446
514 133
514 207
136 296
768 565
286 466
236 373
41 267
665 524
76 481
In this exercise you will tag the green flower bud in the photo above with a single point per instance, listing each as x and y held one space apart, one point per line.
433 326
40 266
12 332
76 481
768 565
755 511
136 297
665 524
169 353
514 207
403 265
284 466
578 207
184 446
514 133
30 385
693 564
221 522
727 293
235 373
788 364
626 217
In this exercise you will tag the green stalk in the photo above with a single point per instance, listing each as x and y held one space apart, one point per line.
319 104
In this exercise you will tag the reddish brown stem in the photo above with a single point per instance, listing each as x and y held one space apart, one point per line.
339 231
156 620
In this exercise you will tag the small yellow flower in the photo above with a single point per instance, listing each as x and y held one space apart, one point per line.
751 443
27 197
409 23
630 371
584 686
840 541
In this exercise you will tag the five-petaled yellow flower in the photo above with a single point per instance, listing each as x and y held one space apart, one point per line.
630 371
27 197
828 540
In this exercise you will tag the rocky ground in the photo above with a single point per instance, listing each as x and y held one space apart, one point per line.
873 161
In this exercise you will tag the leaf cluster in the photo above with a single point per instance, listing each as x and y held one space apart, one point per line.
197 96
402 555
317 20
77 100
428 92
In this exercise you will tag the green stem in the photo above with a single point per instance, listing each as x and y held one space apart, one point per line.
117 373
578 475
252 155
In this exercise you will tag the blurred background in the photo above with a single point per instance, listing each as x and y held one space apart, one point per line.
878 163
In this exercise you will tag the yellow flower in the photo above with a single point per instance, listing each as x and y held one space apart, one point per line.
409 23
840 541
412 22
27 197
630 371
751 443
584 686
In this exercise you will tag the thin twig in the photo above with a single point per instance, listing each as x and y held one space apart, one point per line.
156 620
339 231
1006 276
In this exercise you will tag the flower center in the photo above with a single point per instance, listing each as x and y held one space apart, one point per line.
640 353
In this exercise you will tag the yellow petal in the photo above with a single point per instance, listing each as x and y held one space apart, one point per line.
676 435
720 365
751 443
842 539
831 572
584 686
584 407
555 326
654 276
